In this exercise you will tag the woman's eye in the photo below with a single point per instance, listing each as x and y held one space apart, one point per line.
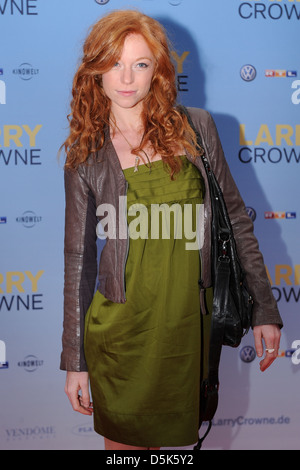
142 65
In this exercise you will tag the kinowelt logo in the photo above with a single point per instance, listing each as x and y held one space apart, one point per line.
28 219
25 71
30 363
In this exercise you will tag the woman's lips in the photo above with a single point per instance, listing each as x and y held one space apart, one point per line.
126 93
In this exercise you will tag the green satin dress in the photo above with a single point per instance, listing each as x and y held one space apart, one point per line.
143 356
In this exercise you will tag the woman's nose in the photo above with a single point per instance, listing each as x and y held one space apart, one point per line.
127 75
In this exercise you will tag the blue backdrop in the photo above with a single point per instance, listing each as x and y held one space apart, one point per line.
240 61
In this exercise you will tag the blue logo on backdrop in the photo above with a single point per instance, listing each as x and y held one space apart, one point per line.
102 2
248 73
29 219
248 354
25 71
84 430
30 363
251 212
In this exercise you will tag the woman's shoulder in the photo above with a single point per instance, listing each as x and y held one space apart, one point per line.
203 121
199 115
96 160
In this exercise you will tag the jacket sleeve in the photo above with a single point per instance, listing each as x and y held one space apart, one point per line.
80 256
265 310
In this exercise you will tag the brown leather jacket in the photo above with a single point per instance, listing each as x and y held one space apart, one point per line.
102 181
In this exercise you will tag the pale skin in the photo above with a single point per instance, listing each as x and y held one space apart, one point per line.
127 84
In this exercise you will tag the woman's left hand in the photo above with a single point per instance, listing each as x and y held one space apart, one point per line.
270 334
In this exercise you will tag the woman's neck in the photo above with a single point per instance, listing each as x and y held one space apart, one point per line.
127 119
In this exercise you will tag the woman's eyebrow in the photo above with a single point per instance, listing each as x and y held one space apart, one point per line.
141 58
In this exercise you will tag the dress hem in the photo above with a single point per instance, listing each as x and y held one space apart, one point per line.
189 442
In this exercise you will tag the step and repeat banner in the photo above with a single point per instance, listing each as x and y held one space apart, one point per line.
240 61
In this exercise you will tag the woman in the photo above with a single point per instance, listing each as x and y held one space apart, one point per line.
137 338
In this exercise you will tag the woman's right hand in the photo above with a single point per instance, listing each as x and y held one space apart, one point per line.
76 382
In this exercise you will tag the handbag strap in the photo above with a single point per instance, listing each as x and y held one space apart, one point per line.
217 322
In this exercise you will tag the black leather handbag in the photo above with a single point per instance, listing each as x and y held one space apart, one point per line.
232 303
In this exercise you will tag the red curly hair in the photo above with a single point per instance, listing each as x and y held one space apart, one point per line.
90 107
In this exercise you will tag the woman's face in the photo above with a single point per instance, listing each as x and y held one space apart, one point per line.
129 81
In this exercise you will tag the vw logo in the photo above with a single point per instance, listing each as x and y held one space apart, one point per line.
247 354
251 212
102 2
248 73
